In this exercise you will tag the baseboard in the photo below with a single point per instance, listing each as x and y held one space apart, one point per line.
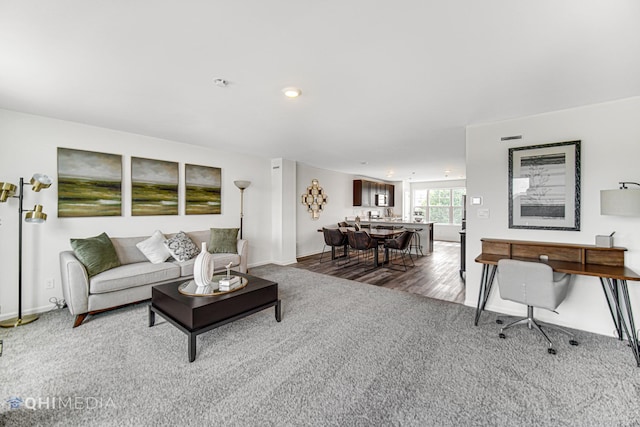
310 254
259 264
286 262
37 310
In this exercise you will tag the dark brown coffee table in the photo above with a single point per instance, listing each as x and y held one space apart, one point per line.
195 315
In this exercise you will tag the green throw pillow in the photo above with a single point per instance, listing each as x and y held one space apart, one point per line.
97 254
223 240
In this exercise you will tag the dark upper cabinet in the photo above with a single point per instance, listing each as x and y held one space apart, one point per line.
364 193
391 195
361 193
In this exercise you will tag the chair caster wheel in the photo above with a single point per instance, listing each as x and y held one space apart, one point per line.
501 335
499 321
551 351
573 342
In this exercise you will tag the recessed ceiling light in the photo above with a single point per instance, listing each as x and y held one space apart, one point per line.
291 92
220 82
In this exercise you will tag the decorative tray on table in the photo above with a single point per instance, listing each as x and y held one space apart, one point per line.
192 289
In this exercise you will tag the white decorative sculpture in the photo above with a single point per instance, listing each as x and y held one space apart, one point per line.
203 268
228 267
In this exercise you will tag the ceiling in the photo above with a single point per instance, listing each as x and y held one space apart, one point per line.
390 84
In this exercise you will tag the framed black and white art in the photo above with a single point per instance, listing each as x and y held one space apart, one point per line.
544 186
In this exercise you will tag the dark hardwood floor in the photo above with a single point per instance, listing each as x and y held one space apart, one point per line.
436 275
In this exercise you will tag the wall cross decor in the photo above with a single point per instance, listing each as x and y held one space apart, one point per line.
314 199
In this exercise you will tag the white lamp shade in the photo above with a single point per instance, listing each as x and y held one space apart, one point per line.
242 184
623 202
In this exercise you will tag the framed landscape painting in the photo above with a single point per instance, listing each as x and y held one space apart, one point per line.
544 186
154 187
89 183
202 190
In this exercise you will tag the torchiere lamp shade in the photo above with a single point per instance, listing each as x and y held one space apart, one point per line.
242 184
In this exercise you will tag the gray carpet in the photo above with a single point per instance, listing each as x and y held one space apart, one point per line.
345 353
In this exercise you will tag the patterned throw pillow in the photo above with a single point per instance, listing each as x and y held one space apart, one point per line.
181 247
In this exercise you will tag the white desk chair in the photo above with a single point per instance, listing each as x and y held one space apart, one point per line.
536 285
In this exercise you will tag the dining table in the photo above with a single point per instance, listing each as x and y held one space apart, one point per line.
378 234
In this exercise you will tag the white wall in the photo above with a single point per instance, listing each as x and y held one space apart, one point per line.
283 222
446 232
610 135
339 189
30 144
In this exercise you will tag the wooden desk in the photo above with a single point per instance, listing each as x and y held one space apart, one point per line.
607 264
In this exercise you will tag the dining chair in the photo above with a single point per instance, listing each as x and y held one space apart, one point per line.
399 245
333 238
361 242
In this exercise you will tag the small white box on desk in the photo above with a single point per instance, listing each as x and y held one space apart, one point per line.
604 241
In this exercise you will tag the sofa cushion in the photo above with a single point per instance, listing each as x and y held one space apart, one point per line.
219 262
223 240
199 237
154 249
128 252
97 253
181 247
132 275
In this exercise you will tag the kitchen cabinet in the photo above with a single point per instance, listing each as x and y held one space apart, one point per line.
364 192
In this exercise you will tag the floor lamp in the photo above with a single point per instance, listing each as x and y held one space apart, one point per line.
242 185
8 190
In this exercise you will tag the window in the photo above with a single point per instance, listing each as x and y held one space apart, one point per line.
439 205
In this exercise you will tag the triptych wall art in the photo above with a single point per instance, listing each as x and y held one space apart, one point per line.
90 184
202 194
154 187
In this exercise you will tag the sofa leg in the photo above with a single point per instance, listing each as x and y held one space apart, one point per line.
79 319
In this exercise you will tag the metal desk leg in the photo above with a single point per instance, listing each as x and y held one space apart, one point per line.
616 289
485 288
613 287
633 336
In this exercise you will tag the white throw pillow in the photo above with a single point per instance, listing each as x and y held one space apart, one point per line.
154 249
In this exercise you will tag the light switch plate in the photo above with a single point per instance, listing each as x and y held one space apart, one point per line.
476 201
483 213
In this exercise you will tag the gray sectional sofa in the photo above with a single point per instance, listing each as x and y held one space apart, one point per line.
132 280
